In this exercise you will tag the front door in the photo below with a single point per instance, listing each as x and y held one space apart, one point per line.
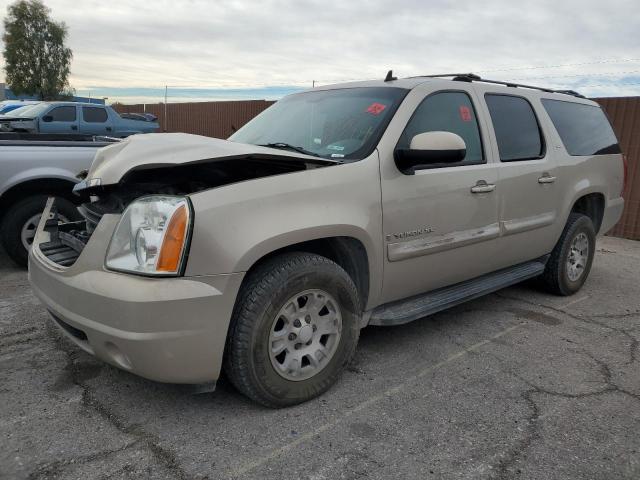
60 119
440 224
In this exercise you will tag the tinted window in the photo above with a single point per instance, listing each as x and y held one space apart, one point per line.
516 127
340 123
63 114
94 114
584 129
447 112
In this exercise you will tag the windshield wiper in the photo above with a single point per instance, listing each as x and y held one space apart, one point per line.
287 146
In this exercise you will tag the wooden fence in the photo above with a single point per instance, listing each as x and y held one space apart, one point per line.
211 119
624 114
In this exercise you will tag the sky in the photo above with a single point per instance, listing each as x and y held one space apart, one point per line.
129 51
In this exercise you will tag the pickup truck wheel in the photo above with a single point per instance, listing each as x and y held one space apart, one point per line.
20 222
571 259
294 328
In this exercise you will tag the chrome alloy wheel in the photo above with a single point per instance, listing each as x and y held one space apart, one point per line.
578 256
28 232
305 335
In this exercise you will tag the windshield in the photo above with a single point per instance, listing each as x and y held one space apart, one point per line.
14 111
10 107
341 124
30 110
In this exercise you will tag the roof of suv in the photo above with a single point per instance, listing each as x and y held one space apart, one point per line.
412 82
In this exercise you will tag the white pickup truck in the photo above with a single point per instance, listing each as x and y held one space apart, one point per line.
32 168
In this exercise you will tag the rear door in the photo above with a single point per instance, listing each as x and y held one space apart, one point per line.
60 119
440 225
95 121
528 194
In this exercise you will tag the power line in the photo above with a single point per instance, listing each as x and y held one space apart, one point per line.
610 84
538 67
604 74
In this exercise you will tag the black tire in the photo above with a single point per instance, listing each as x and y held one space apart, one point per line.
18 214
555 277
247 364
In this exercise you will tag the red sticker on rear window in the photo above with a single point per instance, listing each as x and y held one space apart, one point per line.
465 113
376 108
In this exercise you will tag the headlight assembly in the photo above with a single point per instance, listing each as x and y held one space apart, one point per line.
151 237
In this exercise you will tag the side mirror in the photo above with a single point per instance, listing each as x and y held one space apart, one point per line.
47 118
429 149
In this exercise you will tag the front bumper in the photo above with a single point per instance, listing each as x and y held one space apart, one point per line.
164 329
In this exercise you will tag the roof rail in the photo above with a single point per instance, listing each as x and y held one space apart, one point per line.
471 77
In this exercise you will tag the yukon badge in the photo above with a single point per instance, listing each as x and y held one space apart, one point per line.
409 234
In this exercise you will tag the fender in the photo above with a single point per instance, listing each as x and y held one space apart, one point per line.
294 237
40 173
593 182
236 225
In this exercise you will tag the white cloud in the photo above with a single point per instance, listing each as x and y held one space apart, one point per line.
275 42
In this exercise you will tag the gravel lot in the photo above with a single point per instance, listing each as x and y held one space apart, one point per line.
519 384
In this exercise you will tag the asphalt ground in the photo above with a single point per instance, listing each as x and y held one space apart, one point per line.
519 384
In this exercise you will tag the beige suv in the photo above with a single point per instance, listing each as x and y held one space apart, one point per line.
369 203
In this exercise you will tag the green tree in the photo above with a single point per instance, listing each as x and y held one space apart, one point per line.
36 59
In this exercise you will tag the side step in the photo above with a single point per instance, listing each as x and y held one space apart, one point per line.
413 308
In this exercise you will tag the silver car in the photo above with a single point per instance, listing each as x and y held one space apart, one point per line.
369 203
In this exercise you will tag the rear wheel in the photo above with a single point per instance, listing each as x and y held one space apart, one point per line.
294 329
571 259
20 222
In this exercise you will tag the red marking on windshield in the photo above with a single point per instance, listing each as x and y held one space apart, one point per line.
465 113
376 108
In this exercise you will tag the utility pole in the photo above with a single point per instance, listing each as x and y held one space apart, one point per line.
313 84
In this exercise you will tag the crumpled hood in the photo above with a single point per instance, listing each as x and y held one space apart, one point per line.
152 150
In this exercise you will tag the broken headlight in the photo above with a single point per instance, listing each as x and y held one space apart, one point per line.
151 237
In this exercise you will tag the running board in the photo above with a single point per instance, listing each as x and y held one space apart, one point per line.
410 309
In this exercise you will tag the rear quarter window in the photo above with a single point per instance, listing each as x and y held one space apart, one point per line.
583 129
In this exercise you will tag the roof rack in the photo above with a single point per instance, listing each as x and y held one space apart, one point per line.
471 77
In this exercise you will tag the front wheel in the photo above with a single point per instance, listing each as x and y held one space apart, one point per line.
570 261
294 329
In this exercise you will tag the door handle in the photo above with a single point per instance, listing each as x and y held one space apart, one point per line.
546 179
109 129
73 127
483 187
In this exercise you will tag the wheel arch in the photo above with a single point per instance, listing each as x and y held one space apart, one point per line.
592 205
348 252
60 185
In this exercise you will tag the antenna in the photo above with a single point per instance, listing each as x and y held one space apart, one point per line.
390 77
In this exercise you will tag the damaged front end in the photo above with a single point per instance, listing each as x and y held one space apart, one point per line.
66 241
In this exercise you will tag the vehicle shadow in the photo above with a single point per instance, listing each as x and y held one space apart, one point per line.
7 265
